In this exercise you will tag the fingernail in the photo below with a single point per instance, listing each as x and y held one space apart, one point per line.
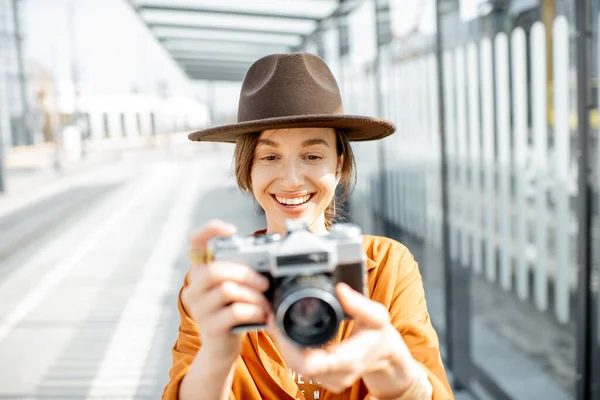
230 228
342 286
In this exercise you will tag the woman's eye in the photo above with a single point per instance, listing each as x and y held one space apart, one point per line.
269 158
313 158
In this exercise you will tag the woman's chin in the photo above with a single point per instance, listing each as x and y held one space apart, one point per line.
306 215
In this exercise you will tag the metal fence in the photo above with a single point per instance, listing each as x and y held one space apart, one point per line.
514 320
509 188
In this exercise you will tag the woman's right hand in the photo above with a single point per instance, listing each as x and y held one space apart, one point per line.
221 295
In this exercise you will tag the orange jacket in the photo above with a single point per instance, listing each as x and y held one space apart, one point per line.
260 372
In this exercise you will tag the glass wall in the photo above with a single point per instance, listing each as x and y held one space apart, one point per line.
505 298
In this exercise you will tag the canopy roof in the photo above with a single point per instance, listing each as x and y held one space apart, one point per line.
219 39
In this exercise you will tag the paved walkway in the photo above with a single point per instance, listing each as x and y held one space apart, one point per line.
90 268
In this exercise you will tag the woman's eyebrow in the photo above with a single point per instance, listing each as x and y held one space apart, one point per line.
268 142
314 141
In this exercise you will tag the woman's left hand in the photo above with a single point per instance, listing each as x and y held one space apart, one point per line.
375 351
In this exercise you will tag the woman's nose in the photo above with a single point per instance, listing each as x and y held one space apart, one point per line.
291 176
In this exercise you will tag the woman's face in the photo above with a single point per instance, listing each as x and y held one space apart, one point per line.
293 175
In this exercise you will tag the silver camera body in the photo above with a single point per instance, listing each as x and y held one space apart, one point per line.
303 269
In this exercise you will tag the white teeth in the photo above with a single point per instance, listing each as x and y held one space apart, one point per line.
294 201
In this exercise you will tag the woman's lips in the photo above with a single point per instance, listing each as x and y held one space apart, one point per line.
292 209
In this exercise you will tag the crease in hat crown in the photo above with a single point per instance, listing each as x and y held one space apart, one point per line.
286 90
278 85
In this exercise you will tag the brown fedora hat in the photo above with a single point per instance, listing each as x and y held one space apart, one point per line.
293 90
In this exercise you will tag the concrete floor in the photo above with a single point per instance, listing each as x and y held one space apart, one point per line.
90 269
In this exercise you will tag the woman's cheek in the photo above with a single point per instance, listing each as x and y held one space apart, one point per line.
320 171
260 172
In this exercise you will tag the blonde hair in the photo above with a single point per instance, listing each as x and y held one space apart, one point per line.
245 146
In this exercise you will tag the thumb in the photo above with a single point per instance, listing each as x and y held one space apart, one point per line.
200 238
362 309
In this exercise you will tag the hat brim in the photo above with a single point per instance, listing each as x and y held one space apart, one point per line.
357 128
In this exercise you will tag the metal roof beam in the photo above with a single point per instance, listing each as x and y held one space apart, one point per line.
231 47
179 53
216 57
214 74
214 70
194 71
209 76
223 29
240 69
223 78
170 39
204 53
240 72
224 64
208 10
199 50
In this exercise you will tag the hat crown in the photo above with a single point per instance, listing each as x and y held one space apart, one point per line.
283 85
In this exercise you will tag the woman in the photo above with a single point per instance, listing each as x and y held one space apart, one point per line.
292 151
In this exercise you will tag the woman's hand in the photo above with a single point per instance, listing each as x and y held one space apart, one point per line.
221 295
374 352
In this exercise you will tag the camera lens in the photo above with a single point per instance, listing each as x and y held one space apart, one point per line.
310 321
309 314
308 311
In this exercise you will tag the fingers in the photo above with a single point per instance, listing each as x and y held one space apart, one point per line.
332 369
230 292
215 273
224 306
200 238
341 363
307 361
236 314
363 310
221 295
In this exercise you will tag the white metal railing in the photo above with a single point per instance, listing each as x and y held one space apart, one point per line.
475 153
564 267
511 177
520 144
489 204
539 125
503 167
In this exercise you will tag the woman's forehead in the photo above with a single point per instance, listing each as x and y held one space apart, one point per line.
293 135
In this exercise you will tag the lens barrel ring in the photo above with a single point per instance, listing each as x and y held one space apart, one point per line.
293 292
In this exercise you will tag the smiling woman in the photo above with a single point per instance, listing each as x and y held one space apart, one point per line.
317 153
292 153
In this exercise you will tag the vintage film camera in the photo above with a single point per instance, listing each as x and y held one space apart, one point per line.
303 269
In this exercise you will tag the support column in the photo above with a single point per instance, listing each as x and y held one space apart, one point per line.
384 37
25 131
583 385
457 280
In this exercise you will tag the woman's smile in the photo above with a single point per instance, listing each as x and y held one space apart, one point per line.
292 204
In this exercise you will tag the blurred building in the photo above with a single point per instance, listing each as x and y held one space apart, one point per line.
63 65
